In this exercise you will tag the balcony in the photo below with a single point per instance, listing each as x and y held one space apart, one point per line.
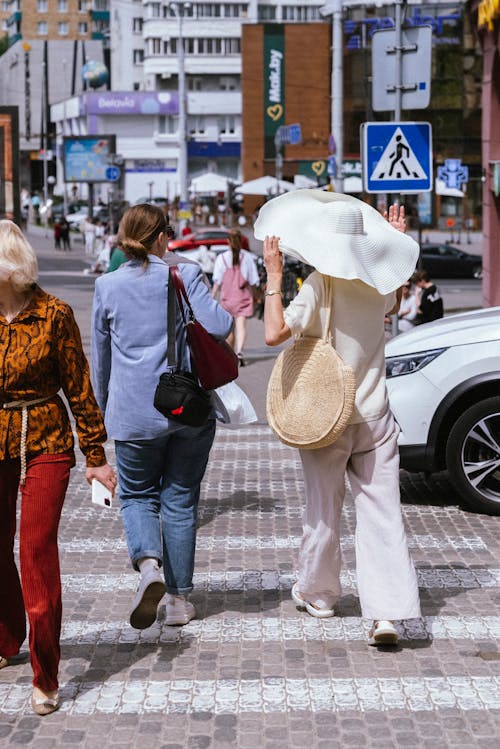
15 17
100 15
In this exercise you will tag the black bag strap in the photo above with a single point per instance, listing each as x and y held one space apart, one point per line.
181 294
171 315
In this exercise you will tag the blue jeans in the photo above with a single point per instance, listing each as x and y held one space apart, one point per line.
159 492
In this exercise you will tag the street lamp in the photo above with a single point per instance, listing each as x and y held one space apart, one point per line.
179 9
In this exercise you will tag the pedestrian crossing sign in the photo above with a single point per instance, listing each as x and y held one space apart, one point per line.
396 156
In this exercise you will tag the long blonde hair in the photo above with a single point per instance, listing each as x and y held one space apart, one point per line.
17 256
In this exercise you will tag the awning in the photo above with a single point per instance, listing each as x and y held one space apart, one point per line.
265 186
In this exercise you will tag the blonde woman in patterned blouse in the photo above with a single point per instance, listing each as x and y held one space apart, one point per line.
40 354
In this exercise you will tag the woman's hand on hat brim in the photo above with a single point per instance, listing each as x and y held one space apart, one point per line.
273 259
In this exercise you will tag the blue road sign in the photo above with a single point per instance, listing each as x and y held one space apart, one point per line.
112 173
397 156
453 173
294 134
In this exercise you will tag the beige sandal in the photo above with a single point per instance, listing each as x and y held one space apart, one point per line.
45 705
3 662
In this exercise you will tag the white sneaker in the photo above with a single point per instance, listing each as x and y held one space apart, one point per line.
383 632
151 590
178 611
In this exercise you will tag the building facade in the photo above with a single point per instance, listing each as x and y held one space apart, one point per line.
486 21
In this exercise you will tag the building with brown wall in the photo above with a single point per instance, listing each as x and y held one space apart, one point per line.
276 91
486 18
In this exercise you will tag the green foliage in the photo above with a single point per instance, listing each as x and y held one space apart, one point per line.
4 43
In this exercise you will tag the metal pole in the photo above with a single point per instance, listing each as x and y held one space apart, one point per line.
398 98
182 164
338 92
399 60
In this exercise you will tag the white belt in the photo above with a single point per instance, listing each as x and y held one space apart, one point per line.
24 405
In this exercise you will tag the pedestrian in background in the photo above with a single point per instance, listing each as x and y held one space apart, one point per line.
407 312
235 275
64 231
40 354
430 302
160 463
88 228
363 259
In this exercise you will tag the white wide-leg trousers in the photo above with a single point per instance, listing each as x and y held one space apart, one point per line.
386 578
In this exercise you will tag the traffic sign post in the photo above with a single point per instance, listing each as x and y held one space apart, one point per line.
415 86
112 173
397 157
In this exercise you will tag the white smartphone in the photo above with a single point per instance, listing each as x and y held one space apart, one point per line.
101 495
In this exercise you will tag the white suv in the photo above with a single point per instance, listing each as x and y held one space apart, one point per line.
443 380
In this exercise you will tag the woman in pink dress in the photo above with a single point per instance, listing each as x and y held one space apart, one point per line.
235 275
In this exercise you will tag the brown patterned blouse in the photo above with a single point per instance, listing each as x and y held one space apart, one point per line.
40 353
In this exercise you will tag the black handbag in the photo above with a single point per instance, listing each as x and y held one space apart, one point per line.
178 396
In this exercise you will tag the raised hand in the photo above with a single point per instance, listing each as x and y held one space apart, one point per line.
396 217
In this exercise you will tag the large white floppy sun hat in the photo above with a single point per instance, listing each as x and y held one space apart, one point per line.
340 236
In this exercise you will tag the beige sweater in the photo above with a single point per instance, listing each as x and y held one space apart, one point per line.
357 327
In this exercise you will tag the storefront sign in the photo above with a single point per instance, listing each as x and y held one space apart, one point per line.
130 102
444 27
487 12
274 85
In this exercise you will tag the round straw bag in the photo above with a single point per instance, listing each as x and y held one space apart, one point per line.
310 396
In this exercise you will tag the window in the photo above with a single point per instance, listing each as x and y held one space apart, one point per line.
154 46
196 125
154 10
41 28
194 84
5 6
82 28
137 25
41 6
4 25
300 13
138 56
167 124
82 6
226 125
62 6
266 13
228 83
62 29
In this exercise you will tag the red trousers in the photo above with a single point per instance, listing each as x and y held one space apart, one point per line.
42 498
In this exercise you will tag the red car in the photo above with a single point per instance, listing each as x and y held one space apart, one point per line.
206 237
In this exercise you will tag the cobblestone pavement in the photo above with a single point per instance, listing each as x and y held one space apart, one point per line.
252 671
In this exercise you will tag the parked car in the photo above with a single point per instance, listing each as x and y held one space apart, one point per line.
445 261
207 237
74 220
443 380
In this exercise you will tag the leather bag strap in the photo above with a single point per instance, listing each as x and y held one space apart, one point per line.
181 293
171 342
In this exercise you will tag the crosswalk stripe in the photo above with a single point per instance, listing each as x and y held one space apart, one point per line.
268 695
445 576
225 628
209 543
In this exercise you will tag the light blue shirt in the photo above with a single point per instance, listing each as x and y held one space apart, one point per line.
129 341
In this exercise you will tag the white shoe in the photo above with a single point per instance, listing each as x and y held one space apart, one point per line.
151 590
178 611
311 608
383 632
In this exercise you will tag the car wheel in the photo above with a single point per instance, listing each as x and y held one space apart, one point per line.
477 271
473 455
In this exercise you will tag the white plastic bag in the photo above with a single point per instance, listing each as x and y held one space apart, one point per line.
232 405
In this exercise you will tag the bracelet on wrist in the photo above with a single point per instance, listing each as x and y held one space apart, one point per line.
272 291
